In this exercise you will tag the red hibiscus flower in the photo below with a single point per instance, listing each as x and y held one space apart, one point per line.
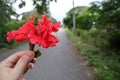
40 34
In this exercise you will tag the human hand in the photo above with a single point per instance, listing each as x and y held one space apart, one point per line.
15 66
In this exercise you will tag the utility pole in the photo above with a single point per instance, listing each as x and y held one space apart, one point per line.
74 22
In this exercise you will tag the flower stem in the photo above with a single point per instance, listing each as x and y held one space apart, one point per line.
37 52
31 46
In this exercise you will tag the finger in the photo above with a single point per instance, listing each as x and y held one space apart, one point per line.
34 61
30 66
22 78
12 60
22 63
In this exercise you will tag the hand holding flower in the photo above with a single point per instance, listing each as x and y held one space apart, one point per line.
15 66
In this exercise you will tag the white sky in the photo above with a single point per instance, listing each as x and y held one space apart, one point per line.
58 9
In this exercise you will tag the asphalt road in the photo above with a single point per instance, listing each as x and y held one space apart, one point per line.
57 63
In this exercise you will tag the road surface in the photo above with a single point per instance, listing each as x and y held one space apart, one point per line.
57 63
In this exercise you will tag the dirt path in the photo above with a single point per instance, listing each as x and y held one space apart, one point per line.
58 63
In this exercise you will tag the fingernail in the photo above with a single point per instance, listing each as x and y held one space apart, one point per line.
34 60
31 65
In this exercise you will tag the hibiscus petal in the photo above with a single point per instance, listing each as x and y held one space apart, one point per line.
55 26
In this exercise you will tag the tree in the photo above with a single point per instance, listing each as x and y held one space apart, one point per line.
5 11
84 18
42 6
109 11
68 19
109 20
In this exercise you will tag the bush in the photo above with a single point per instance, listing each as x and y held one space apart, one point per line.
12 25
93 36
115 40
78 32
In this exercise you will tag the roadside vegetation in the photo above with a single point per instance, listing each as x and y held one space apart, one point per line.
105 61
97 36
11 25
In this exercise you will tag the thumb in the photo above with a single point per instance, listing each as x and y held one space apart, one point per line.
22 63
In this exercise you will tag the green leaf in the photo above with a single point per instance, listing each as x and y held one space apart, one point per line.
37 53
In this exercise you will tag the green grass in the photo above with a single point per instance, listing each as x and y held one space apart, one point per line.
106 62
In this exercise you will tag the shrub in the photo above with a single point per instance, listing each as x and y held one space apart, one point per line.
115 40
14 24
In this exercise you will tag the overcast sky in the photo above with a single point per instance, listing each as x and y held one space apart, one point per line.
58 9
